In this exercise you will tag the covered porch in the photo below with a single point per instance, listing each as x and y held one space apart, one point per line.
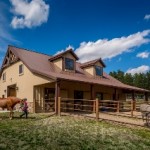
80 96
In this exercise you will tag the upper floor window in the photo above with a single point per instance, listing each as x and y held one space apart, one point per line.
4 76
21 69
69 64
99 70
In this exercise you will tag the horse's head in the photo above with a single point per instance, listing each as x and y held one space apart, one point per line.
14 100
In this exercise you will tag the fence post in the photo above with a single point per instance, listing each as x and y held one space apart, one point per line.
94 106
55 105
134 107
118 106
97 109
131 108
59 106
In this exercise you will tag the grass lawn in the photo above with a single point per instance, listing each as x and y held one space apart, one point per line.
41 132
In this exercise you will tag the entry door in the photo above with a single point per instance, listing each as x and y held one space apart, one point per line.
78 102
11 90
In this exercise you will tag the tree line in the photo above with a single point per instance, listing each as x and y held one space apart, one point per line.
141 80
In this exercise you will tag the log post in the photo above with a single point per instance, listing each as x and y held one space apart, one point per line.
118 107
97 109
133 98
93 97
132 108
57 94
115 95
59 106
134 105
146 96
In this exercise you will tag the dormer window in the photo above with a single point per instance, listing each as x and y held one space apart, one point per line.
99 70
69 64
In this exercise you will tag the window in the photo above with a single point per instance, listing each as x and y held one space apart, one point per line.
20 69
99 70
99 96
4 76
69 64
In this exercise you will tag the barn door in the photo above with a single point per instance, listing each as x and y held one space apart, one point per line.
11 90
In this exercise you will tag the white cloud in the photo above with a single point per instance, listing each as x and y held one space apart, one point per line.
67 48
108 49
147 17
143 55
29 14
141 69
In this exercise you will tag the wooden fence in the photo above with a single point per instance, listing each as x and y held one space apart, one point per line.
45 105
96 106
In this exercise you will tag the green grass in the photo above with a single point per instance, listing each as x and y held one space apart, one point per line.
41 132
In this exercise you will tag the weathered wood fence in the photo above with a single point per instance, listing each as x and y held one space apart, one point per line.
98 106
84 106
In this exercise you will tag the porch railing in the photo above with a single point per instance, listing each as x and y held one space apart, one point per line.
97 106
45 105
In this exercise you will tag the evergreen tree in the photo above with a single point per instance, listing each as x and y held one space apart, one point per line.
128 79
140 80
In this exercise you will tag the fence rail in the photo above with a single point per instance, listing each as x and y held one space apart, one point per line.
63 105
45 105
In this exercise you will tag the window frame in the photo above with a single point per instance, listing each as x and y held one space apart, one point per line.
4 76
101 69
21 73
68 67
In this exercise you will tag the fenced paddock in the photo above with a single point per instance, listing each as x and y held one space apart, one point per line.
97 109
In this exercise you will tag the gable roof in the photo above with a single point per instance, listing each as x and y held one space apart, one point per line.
39 63
60 55
92 63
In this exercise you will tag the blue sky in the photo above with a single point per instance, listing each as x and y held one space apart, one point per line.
117 31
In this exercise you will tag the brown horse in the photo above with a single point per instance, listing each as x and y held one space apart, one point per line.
9 103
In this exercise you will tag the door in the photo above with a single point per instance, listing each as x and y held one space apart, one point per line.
11 90
78 100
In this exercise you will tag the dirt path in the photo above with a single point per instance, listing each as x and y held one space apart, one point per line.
111 117
128 120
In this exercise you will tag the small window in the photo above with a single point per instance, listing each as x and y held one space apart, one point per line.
20 69
4 76
99 70
69 64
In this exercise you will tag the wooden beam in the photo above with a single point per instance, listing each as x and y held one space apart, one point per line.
97 109
146 96
133 96
118 106
115 94
59 106
93 96
92 92
132 107
57 94
133 99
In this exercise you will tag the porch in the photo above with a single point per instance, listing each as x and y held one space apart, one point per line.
67 96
